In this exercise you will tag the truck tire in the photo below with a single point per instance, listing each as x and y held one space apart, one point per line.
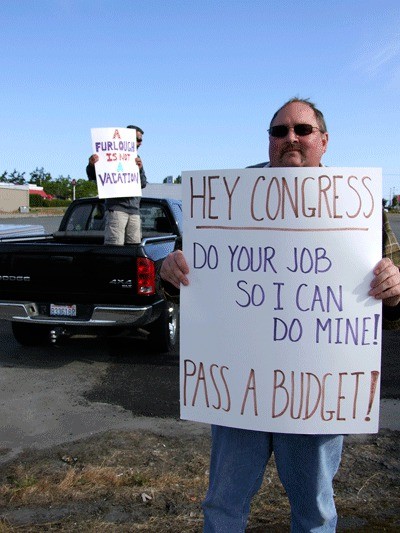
30 334
164 332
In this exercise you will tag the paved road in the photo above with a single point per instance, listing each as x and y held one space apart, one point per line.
50 223
85 386
88 385
395 223
58 393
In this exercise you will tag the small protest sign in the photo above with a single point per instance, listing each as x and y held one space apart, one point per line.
117 173
278 332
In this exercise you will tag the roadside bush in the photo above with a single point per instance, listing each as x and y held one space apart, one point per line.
35 200
57 203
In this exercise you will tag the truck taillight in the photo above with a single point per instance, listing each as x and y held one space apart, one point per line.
146 276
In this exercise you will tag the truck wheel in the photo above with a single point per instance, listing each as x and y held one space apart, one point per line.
164 332
30 334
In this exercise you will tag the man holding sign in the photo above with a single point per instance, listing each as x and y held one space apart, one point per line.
306 463
122 213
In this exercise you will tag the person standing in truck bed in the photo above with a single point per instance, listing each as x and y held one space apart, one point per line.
122 214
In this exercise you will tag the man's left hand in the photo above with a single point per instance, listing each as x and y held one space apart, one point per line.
386 283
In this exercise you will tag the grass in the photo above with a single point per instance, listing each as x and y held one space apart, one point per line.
137 481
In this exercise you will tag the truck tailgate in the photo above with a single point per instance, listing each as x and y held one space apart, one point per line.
69 273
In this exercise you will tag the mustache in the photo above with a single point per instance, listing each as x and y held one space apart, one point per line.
290 146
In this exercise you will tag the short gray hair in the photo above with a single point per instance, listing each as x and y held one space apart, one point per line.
318 114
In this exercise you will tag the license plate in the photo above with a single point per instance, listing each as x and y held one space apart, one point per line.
62 310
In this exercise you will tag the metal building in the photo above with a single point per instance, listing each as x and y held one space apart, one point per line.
163 190
13 197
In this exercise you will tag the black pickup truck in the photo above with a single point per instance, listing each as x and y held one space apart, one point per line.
70 283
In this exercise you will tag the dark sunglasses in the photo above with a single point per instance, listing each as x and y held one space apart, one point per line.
300 129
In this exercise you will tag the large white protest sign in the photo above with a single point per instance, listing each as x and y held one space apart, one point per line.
278 332
117 173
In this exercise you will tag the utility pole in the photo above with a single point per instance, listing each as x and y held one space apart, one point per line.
73 183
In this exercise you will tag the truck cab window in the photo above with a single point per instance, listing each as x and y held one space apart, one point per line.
154 221
87 217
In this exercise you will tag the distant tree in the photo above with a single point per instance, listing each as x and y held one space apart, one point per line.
171 179
40 178
16 177
52 188
85 188
395 200
60 188
384 202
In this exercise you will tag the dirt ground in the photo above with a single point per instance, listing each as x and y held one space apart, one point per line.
144 481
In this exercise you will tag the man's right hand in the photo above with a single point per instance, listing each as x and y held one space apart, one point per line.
175 269
93 159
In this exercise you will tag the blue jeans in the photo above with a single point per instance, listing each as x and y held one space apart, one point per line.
306 466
